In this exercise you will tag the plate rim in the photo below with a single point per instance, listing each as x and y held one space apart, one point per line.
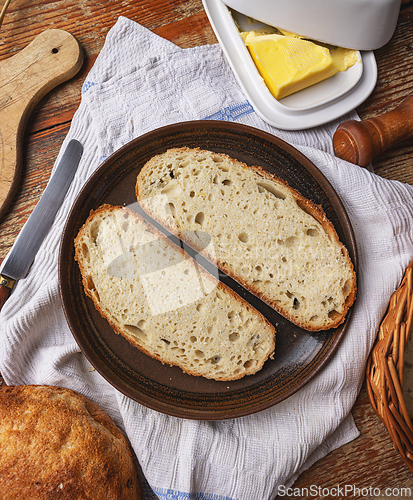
210 412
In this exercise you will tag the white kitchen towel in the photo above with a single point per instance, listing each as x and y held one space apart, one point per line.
138 83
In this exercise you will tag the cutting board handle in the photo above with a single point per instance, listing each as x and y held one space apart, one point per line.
51 58
360 142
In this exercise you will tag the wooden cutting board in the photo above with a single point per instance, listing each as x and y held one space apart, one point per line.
51 58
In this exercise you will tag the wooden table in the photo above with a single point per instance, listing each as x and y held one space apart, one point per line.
368 462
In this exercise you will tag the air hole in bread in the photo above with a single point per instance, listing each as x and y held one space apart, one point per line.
215 360
264 187
178 350
312 232
85 252
243 237
248 363
234 336
200 308
346 288
89 283
216 158
224 168
192 338
291 241
192 194
227 182
258 269
94 230
254 341
171 189
211 329
199 354
333 314
125 226
170 209
314 318
136 332
199 218
296 303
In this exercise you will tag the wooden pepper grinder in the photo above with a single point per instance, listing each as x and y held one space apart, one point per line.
360 141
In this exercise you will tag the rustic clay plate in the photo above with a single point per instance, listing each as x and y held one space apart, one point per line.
299 354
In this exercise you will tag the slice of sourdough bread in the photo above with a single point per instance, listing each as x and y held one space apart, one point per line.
277 244
158 298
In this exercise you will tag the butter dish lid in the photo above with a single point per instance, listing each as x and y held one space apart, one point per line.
311 107
354 24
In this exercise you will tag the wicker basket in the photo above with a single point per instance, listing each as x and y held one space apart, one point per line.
384 377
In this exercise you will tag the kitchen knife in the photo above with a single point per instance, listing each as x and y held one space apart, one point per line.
18 261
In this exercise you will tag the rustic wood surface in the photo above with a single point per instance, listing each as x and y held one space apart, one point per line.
368 462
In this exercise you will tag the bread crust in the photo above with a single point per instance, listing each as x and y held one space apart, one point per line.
305 204
57 444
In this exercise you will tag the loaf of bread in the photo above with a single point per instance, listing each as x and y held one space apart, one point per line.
277 244
163 303
57 444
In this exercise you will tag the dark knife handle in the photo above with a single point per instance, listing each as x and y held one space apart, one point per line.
6 285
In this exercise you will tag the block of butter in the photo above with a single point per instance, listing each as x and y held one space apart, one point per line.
288 63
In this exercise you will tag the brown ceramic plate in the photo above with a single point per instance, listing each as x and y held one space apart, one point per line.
299 354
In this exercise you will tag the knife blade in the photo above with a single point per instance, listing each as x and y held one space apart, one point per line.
18 261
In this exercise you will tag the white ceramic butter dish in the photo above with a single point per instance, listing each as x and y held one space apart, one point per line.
313 106
354 24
